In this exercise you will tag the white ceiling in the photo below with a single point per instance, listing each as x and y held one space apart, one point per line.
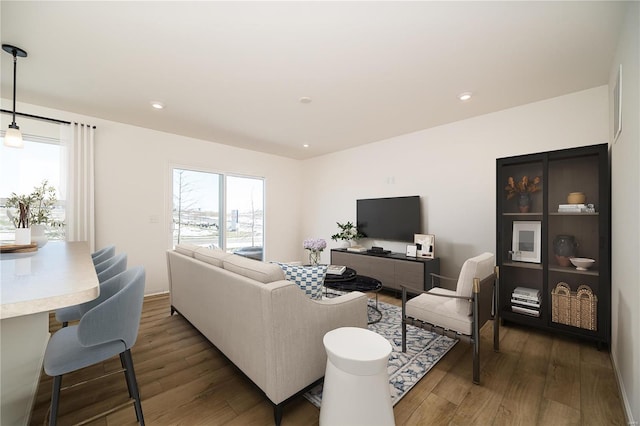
234 72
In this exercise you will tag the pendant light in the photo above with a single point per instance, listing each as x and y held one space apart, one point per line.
13 137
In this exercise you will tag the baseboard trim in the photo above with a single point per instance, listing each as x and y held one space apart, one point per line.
158 294
625 401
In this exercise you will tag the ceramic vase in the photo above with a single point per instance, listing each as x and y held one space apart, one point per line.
38 236
524 202
564 247
23 236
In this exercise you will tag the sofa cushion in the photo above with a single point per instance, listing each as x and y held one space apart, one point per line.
309 278
187 249
254 269
211 256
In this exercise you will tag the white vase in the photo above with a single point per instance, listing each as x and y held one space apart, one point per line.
23 236
38 236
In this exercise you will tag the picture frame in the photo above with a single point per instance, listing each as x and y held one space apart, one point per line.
617 105
412 250
426 245
525 246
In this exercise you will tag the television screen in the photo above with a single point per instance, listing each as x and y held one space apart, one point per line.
393 219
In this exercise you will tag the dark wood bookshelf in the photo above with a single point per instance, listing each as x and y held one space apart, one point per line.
583 169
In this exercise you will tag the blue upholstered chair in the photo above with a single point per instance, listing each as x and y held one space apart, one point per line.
109 328
103 254
107 269
111 267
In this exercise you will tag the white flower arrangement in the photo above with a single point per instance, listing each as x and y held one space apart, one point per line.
314 244
315 247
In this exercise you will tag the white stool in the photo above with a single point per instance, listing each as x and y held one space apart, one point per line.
356 382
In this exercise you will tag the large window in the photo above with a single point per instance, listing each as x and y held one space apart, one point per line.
21 170
199 197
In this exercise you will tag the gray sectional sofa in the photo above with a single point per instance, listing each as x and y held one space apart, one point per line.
264 324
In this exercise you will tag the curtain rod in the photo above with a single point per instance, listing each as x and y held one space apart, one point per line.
37 117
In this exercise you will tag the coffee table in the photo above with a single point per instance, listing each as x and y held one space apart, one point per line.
350 281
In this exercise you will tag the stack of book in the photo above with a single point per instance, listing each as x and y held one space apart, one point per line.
526 301
572 208
357 249
336 269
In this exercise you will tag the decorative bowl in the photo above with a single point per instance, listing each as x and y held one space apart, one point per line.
582 263
576 198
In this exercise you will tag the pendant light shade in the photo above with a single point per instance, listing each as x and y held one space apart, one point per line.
13 137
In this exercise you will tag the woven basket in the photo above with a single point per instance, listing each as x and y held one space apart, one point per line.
586 309
578 309
561 304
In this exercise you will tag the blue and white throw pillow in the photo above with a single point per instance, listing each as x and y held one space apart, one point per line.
309 278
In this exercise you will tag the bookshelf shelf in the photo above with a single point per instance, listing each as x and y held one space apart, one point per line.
573 214
523 265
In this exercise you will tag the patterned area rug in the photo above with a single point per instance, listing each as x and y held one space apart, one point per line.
424 350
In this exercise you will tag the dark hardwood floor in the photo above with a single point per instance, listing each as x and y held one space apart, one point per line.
535 379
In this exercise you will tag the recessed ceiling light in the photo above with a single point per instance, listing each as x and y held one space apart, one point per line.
157 105
465 96
305 100
306 145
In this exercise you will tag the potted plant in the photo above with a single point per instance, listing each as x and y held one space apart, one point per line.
23 232
348 232
34 212
523 189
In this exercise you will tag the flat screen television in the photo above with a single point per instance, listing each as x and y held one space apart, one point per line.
393 219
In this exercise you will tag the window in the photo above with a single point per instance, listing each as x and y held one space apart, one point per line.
21 170
196 208
198 199
245 216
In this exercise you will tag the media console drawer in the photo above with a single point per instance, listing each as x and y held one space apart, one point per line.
393 270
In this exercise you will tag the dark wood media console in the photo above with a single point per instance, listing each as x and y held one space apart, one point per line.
392 269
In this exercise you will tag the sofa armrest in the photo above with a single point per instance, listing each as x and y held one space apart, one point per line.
295 329
342 299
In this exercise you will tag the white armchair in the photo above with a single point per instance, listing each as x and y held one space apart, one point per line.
458 313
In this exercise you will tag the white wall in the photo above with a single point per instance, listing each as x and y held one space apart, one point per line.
133 185
452 167
625 219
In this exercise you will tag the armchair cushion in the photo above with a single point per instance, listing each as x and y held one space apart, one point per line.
480 266
439 310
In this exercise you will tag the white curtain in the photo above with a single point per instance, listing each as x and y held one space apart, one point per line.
80 209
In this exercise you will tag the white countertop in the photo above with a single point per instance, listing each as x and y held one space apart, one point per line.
57 275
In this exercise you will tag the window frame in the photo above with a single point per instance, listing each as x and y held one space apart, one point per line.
222 199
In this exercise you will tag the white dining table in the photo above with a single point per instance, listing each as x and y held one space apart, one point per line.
32 284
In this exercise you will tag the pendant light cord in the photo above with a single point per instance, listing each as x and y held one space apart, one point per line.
15 62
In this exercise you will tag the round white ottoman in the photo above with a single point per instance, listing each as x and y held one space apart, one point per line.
356 383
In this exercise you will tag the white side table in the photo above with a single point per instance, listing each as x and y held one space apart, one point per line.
356 382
